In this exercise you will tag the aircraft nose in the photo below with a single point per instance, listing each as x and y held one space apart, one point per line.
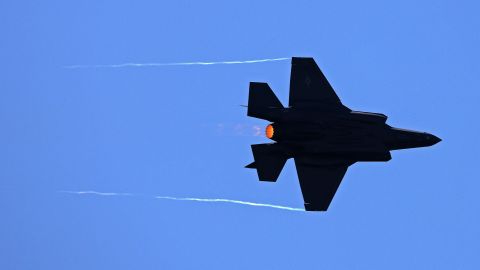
436 139
433 139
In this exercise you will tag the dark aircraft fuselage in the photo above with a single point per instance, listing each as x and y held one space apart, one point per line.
323 136
354 135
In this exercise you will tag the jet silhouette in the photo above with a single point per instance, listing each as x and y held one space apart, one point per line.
323 136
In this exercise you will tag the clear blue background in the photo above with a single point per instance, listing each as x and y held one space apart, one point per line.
154 131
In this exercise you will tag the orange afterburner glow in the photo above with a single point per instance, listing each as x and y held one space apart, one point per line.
269 131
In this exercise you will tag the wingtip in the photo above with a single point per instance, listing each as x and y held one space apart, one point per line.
313 207
300 60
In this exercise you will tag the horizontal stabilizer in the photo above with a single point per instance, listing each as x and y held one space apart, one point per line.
269 161
262 102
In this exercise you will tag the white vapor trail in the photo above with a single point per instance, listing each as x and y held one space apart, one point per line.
231 201
96 193
91 192
178 64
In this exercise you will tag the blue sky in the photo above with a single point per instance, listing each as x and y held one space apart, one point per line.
155 131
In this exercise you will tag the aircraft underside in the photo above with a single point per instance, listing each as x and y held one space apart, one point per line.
323 136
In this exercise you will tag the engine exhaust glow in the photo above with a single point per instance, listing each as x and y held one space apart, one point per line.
269 131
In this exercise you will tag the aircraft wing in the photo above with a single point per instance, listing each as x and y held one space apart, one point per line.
309 87
319 182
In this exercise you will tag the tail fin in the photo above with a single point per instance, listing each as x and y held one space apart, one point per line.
269 161
262 102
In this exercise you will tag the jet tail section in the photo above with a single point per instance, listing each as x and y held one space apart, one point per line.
269 161
262 102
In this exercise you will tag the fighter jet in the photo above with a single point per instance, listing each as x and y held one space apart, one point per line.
323 136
